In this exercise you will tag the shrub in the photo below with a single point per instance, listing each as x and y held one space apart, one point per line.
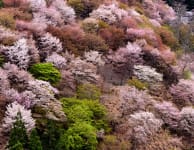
88 91
93 42
7 20
8 41
70 36
46 72
90 25
83 7
187 74
78 137
138 84
168 37
114 37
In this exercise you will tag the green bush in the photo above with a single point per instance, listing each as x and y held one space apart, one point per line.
81 136
138 84
89 111
88 91
46 72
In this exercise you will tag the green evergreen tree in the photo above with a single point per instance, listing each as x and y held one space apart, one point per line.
51 135
18 135
17 146
1 3
34 141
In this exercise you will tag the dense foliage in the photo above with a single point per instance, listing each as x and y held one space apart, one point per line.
96 75
46 72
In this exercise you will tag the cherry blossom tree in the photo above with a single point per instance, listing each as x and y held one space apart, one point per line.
48 44
144 125
109 13
11 114
183 92
147 74
57 60
18 54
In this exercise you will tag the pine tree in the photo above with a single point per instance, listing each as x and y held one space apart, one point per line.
18 135
17 146
34 141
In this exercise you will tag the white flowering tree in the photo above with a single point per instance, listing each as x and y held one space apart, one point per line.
186 122
67 13
57 60
147 74
109 13
145 125
11 115
42 89
18 53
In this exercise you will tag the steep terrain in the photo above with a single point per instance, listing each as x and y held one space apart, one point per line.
97 74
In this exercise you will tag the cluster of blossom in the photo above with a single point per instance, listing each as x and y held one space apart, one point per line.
26 98
177 120
131 99
31 26
18 53
57 60
4 32
17 78
10 116
158 10
42 89
168 113
141 33
67 13
36 5
186 122
84 71
145 125
94 57
4 82
183 92
148 74
109 13
57 13
132 52
48 44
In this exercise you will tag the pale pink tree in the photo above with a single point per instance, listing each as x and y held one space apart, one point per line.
109 13
11 115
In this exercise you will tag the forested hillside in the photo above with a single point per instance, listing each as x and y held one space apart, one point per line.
96 75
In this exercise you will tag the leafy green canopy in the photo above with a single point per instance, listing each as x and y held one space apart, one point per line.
46 72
